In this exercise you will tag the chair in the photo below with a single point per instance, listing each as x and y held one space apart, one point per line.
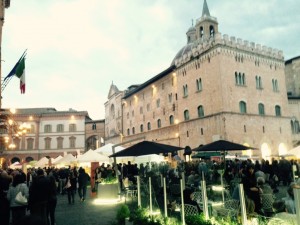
190 210
267 201
129 189
231 208
197 196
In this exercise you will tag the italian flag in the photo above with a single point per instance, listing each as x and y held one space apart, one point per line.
20 73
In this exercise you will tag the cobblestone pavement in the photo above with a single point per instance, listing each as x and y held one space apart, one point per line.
83 213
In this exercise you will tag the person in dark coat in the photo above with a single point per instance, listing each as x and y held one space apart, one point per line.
252 190
83 179
5 181
39 194
71 179
188 199
52 202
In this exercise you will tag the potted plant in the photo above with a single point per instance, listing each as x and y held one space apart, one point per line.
122 213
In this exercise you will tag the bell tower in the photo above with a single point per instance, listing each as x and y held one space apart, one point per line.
206 26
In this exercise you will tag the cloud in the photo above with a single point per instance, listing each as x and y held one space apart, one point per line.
76 48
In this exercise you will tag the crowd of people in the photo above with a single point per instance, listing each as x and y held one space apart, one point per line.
40 187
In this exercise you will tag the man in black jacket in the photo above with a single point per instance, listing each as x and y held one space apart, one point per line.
83 179
39 194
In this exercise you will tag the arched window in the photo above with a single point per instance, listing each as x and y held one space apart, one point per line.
186 115
243 107
261 109
112 111
200 111
199 84
171 119
158 123
142 128
258 82
277 110
212 30
185 90
236 78
240 79
201 32
133 130
296 127
29 159
276 85
243 79
149 126
293 127
128 131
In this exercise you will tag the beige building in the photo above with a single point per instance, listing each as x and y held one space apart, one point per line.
47 132
217 87
292 74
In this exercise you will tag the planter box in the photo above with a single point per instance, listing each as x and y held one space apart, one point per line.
108 191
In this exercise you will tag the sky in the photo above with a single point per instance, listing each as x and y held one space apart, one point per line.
77 48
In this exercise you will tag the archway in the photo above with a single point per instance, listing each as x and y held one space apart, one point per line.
15 159
282 150
29 159
265 151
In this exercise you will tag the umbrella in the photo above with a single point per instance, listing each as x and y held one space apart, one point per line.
146 148
222 145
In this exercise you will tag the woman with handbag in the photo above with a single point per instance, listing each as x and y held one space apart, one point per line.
17 196
70 186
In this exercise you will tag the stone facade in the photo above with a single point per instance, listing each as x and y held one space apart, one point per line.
217 87
94 132
292 73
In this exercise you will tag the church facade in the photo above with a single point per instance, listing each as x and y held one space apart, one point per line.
217 87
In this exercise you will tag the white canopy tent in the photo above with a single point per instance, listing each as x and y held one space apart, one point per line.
92 156
56 159
16 165
107 151
66 160
295 151
42 162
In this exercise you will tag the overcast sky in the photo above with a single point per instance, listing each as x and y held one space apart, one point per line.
77 48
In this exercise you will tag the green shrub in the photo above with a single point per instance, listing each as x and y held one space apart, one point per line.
122 213
196 220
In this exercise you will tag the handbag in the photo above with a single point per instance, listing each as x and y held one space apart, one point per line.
68 184
21 199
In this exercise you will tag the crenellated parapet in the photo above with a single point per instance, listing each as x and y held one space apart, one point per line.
232 45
